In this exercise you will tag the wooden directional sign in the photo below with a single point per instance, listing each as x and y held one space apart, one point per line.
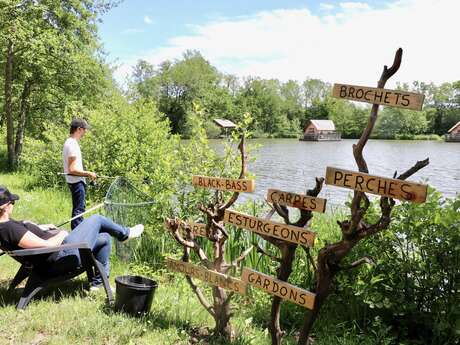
279 288
281 231
211 277
296 200
198 229
393 188
393 98
223 183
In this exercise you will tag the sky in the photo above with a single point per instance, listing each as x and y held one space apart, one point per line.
345 42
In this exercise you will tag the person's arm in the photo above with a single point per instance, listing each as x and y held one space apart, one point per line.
73 170
30 240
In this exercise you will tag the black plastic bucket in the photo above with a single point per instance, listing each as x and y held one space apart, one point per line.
134 294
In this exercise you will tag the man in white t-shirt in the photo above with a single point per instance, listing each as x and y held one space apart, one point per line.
73 168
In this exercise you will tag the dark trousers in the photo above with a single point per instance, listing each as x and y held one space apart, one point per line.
78 191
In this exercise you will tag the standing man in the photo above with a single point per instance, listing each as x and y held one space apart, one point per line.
73 168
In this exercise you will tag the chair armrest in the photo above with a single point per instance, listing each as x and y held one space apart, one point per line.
36 251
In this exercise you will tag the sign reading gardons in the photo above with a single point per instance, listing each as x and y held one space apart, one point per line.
279 288
211 277
394 98
289 233
296 200
235 185
393 188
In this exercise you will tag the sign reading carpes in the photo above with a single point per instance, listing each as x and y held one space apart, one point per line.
279 288
394 98
223 183
211 277
393 188
296 200
281 231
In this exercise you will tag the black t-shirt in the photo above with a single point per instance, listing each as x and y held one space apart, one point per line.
12 231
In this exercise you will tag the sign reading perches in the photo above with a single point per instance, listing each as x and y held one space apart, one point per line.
279 288
281 231
235 185
296 200
393 188
394 98
211 277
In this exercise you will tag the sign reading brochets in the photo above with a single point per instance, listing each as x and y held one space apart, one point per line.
393 98
393 188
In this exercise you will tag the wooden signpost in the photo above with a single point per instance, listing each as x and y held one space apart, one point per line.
236 185
372 95
301 201
198 229
279 288
288 233
208 276
393 188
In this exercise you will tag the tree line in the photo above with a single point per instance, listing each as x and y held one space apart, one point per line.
282 109
53 68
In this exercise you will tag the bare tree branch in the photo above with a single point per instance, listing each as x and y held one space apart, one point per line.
263 252
358 263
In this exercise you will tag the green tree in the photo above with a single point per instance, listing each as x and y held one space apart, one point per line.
49 59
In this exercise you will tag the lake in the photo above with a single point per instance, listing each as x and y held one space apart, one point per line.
292 165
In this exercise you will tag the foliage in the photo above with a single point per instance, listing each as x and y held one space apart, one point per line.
415 282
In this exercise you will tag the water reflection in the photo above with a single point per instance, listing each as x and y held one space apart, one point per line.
292 165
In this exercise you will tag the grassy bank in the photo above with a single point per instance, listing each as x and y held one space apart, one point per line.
69 315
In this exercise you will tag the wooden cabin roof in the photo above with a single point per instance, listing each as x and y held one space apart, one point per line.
224 123
455 126
323 125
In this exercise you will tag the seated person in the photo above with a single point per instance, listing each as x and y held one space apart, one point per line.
97 231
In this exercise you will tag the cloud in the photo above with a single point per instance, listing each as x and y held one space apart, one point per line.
350 46
354 6
326 7
148 20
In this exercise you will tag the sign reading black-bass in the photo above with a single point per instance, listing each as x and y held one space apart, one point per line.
235 185
393 98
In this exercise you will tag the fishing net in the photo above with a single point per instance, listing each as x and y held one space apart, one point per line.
126 205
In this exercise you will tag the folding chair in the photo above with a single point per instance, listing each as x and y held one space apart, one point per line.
50 273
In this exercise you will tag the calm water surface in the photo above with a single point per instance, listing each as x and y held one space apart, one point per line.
292 165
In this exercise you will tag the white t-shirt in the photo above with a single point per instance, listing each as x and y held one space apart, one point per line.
72 149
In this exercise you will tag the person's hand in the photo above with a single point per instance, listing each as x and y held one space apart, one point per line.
46 227
92 175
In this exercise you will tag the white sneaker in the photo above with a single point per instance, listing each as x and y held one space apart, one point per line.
136 231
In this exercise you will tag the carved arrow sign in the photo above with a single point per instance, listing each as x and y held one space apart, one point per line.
393 188
279 288
281 231
393 98
224 183
211 277
296 200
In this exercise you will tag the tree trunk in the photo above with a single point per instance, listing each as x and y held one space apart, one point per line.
285 270
22 121
8 106
222 313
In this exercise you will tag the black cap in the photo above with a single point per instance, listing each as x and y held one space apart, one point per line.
6 196
79 123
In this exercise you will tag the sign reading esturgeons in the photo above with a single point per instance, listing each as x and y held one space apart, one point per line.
279 288
296 200
211 277
393 188
223 183
281 231
394 98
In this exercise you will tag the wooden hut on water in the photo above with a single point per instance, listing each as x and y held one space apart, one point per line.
453 135
320 130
